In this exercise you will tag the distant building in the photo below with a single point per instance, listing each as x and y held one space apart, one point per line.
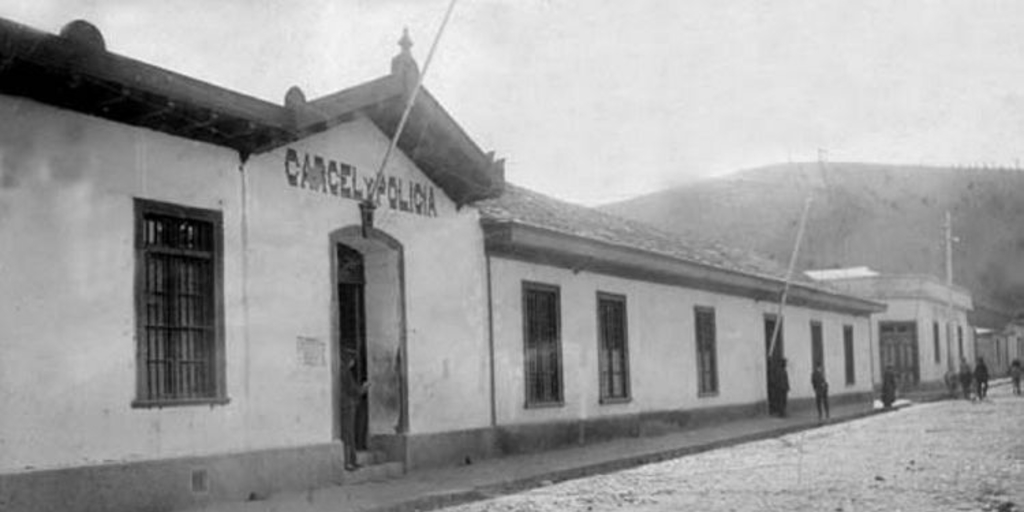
1000 347
923 332
183 267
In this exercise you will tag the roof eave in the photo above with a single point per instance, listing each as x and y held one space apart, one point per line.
507 238
61 72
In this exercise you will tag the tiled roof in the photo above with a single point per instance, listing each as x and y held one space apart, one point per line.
522 206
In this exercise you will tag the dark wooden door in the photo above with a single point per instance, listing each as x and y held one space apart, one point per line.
773 356
352 327
897 343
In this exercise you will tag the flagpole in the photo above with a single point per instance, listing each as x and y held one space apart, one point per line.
789 276
379 177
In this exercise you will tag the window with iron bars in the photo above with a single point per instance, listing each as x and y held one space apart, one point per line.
542 341
707 358
613 350
179 318
848 353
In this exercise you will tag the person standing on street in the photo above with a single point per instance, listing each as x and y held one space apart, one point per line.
782 388
351 393
981 379
820 392
1015 373
888 387
966 377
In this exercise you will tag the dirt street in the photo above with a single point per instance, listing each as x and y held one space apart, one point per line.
952 455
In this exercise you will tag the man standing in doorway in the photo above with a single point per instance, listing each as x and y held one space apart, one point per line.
781 386
351 393
820 392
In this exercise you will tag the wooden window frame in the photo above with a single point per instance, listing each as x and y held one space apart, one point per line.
702 389
603 361
529 401
143 208
818 347
849 361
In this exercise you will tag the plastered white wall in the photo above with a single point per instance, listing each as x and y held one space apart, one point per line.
67 325
924 313
662 352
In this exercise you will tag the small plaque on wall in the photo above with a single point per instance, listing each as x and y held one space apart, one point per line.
311 351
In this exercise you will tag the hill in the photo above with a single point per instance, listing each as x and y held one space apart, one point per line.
887 217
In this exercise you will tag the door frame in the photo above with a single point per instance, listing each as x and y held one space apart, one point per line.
351 236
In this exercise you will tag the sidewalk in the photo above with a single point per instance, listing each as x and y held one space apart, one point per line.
433 488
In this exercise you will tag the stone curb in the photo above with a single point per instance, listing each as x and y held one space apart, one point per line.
458 497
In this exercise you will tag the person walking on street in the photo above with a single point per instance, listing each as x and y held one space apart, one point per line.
820 386
888 387
1015 373
981 379
966 376
351 394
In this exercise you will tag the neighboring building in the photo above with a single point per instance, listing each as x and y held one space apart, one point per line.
924 324
1000 347
183 265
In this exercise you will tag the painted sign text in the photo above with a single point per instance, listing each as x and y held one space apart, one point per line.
318 174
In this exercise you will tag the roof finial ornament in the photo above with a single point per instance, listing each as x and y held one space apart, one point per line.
403 64
405 43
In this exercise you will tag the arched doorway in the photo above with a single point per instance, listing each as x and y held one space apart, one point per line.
368 317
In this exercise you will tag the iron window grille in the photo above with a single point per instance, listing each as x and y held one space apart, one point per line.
613 350
960 340
707 358
542 345
817 347
178 305
848 353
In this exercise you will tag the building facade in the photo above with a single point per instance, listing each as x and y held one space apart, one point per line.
923 333
183 267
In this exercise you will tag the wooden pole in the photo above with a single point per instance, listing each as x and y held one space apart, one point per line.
789 276
412 100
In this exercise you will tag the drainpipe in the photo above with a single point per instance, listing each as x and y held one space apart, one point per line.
490 342
246 329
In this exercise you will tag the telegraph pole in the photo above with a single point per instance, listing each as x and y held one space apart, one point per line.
950 320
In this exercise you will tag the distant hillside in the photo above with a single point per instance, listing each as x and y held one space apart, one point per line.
884 216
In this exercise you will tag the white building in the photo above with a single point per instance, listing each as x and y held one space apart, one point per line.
925 323
181 266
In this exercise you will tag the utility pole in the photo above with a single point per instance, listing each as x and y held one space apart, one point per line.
950 319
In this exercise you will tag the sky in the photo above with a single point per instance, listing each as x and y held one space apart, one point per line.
595 101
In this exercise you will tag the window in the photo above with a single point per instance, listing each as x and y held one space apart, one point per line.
707 363
776 352
848 354
543 358
178 305
960 340
817 347
613 353
935 336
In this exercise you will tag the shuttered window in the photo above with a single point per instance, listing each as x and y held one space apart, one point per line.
817 347
851 376
542 340
180 332
613 353
707 358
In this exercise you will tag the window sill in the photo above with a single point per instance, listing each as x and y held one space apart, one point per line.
615 400
183 402
707 394
544 405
